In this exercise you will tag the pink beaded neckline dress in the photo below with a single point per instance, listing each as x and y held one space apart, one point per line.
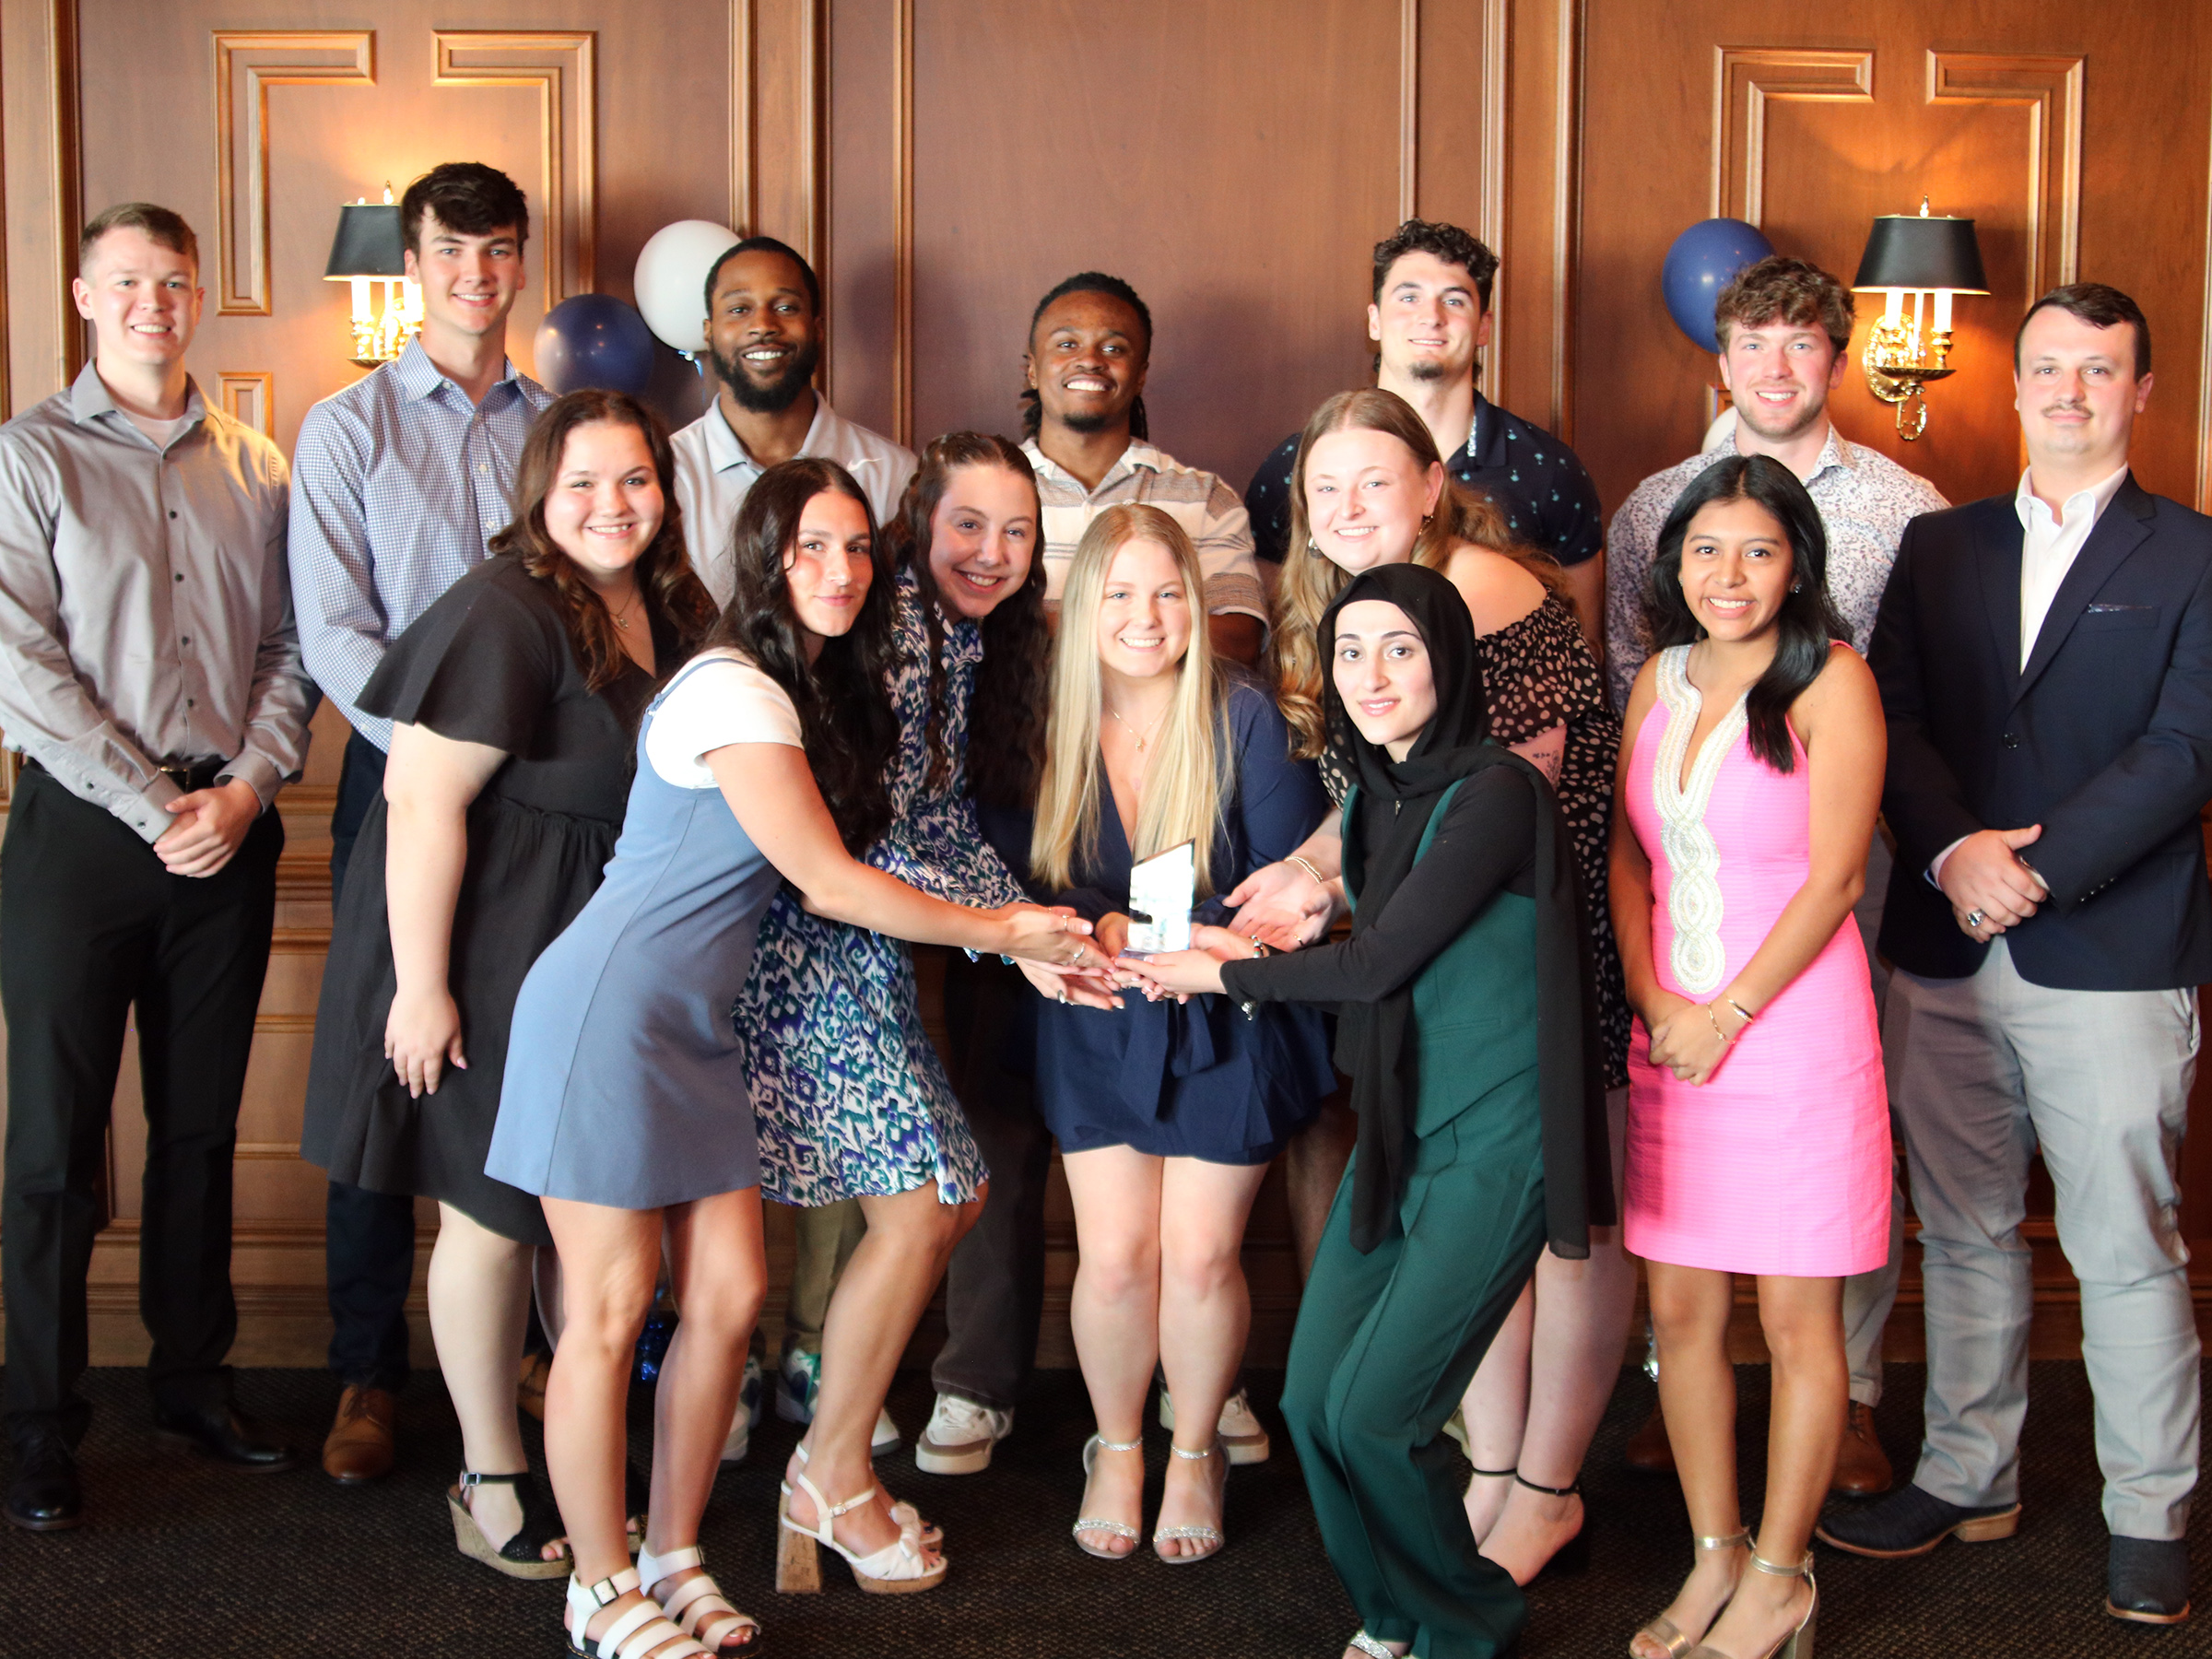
1780 1163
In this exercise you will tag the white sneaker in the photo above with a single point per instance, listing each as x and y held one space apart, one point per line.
960 1437
886 1438
1240 1431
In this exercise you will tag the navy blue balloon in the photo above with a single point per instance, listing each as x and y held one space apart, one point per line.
1699 266
592 340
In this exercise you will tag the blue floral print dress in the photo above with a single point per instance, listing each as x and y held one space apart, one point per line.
848 1091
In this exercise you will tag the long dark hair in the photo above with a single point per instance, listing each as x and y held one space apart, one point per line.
1807 623
1011 689
667 585
843 698
1113 287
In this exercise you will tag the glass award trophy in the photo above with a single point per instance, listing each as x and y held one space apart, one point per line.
1161 892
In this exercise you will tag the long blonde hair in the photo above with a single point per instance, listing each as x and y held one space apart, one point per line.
1311 580
1184 786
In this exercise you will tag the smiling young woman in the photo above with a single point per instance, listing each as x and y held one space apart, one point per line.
515 700
1759 1122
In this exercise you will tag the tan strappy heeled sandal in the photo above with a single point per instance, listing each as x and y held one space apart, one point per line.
1799 1643
1663 1629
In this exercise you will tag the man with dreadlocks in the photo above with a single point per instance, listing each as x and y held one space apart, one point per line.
1090 343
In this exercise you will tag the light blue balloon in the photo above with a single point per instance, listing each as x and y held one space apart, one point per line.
1700 266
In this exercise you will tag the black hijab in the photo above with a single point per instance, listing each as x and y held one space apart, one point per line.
1377 1042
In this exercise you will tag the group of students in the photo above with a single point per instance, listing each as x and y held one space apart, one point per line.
663 747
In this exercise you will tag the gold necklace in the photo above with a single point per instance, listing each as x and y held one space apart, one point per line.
622 615
1147 736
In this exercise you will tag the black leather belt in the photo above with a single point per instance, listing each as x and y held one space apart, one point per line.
189 775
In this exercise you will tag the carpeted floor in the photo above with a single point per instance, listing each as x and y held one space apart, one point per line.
177 1558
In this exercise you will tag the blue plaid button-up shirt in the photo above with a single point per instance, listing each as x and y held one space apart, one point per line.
397 484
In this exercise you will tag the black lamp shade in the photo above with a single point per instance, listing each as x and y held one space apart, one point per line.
369 242
1913 251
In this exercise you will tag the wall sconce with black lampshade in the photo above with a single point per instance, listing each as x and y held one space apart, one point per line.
1931 258
371 251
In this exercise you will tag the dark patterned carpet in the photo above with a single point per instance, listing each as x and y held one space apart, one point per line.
179 1558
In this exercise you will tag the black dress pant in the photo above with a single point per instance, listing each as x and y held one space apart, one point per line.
91 923
995 1286
369 1238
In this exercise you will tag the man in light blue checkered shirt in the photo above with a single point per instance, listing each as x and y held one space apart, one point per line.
398 483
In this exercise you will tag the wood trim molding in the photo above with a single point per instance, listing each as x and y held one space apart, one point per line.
297 57
561 66
1409 108
1497 157
743 140
69 176
250 397
1566 214
903 222
2204 371
2049 90
1746 78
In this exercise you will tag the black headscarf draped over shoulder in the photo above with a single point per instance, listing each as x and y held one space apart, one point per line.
1377 1042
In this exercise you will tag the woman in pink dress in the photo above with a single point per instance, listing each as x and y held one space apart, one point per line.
1758 1129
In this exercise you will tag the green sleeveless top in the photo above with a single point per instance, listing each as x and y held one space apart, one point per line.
1475 1006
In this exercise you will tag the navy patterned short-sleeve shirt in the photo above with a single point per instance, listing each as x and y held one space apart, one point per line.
1538 482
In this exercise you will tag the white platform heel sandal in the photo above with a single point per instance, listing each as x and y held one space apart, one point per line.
901 1568
697 1605
633 1635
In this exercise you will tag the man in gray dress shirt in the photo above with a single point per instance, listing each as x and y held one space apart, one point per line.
150 676
400 481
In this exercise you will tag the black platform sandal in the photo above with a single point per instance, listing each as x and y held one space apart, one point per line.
523 1556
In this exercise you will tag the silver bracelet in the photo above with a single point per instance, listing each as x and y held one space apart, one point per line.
1306 864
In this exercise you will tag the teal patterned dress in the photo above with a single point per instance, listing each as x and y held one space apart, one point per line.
849 1094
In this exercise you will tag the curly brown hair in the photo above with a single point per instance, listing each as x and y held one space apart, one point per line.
843 697
1010 685
670 591
1779 288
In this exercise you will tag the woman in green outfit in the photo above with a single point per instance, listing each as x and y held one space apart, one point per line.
1468 1030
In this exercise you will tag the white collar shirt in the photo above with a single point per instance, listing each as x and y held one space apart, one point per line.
2050 544
715 474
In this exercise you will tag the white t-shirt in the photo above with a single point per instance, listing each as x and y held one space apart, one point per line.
725 700
160 431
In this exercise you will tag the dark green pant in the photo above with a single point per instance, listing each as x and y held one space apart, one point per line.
1386 1344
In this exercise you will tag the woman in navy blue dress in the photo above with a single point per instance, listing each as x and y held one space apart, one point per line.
1168 1114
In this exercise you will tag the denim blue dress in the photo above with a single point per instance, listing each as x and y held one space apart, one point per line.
625 1085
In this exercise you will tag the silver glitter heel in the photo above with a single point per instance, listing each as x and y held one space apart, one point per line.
1120 1529
1199 1534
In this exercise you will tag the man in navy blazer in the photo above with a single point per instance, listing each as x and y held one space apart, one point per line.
2045 663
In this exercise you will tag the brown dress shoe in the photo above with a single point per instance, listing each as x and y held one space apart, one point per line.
359 1446
530 1392
1649 1449
1861 1466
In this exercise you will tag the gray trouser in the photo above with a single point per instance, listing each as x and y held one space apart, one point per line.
1869 1297
1981 1071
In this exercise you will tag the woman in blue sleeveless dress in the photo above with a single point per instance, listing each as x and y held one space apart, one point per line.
624 1106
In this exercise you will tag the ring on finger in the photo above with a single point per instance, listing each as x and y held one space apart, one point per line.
1973 918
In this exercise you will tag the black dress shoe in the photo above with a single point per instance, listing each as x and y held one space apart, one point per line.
44 1495
1911 1522
2147 1580
220 1433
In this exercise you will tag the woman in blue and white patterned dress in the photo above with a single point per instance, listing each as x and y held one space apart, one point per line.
850 1095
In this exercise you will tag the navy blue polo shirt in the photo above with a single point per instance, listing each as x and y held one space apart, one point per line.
1539 484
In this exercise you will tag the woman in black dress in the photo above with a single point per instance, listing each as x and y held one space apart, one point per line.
515 700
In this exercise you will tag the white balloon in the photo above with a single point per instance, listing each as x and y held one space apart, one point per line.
672 279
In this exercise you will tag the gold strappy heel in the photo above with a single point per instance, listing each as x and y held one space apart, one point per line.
1799 1643
1663 1629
